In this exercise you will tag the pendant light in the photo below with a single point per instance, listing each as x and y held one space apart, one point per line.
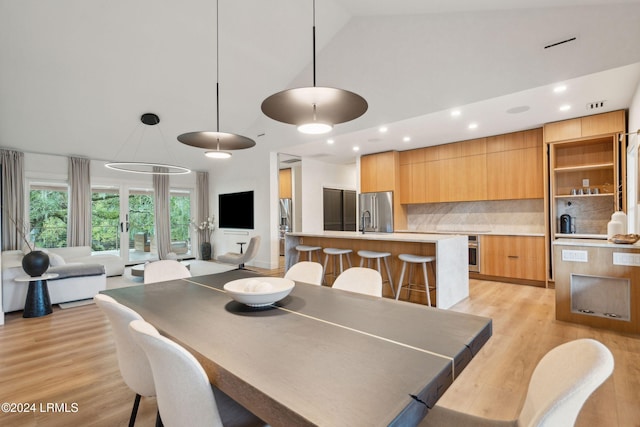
314 110
149 119
219 143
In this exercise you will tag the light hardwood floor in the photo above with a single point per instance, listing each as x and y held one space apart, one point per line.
69 357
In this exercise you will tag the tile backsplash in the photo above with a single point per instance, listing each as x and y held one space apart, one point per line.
499 216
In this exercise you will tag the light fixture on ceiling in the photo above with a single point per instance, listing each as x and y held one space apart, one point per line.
216 141
314 110
149 119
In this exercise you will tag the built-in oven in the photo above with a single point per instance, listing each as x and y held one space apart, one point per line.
474 253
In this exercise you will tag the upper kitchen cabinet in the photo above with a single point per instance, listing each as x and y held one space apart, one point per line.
378 172
284 182
515 166
582 127
586 174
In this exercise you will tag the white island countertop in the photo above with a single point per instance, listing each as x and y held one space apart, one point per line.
395 237
451 252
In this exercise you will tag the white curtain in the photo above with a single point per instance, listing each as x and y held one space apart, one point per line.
202 202
13 222
161 210
79 224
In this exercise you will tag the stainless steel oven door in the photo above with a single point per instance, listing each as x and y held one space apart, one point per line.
474 254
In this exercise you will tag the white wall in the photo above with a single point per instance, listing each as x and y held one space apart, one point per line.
633 165
316 176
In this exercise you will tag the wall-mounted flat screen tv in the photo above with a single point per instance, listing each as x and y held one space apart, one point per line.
235 210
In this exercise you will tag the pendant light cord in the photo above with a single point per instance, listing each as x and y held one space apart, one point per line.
314 43
218 70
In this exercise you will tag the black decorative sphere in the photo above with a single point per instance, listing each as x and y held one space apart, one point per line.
35 263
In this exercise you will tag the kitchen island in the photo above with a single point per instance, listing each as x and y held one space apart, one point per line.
450 273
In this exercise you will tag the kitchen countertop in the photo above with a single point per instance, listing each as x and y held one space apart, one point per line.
594 243
475 232
399 237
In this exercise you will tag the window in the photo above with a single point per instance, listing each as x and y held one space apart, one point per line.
105 219
179 215
48 215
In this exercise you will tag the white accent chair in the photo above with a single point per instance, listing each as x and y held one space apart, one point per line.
133 363
166 269
361 280
561 382
241 259
305 271
185 395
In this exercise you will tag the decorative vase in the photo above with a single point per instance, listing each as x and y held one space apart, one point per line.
205 251
35 263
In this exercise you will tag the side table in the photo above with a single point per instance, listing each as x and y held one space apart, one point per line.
38 302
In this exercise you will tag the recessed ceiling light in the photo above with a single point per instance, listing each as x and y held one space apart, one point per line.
383 129
455 113
330 141
473 126
559 88
356 148
406 139
565 107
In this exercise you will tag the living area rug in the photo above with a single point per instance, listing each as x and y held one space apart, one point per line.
79 303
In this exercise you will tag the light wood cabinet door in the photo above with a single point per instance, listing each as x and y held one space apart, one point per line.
518 257
378 172
463 179
284 182
560 131
515 174
413 183
602 124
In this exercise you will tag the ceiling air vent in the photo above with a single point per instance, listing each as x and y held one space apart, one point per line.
561 42
597 105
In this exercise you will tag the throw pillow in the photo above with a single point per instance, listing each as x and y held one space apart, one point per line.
55 260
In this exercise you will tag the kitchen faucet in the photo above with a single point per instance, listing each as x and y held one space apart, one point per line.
363 218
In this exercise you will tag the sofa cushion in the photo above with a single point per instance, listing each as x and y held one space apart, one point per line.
55 260
76 270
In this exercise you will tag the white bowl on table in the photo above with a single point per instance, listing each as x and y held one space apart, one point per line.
259 291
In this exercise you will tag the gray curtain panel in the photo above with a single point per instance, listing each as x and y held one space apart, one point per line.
202 203
13 221
161 209
79 224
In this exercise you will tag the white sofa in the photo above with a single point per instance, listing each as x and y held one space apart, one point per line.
76 281
113 264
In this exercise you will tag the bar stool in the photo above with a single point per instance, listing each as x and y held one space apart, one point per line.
370 256
309 250
336 252
413 260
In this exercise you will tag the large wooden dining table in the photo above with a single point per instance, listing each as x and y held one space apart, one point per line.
320 356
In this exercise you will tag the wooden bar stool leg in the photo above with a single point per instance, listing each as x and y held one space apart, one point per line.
404 266
348 260
341 269
426 282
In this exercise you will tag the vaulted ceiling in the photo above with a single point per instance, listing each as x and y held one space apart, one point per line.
75 75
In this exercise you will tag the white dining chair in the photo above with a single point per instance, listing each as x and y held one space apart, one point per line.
361 280
561 382
133 363
185 395
166 269
305 271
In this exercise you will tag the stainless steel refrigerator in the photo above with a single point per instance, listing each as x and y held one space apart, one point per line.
376 212
286 224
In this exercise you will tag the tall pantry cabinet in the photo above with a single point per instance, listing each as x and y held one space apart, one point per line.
586 173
